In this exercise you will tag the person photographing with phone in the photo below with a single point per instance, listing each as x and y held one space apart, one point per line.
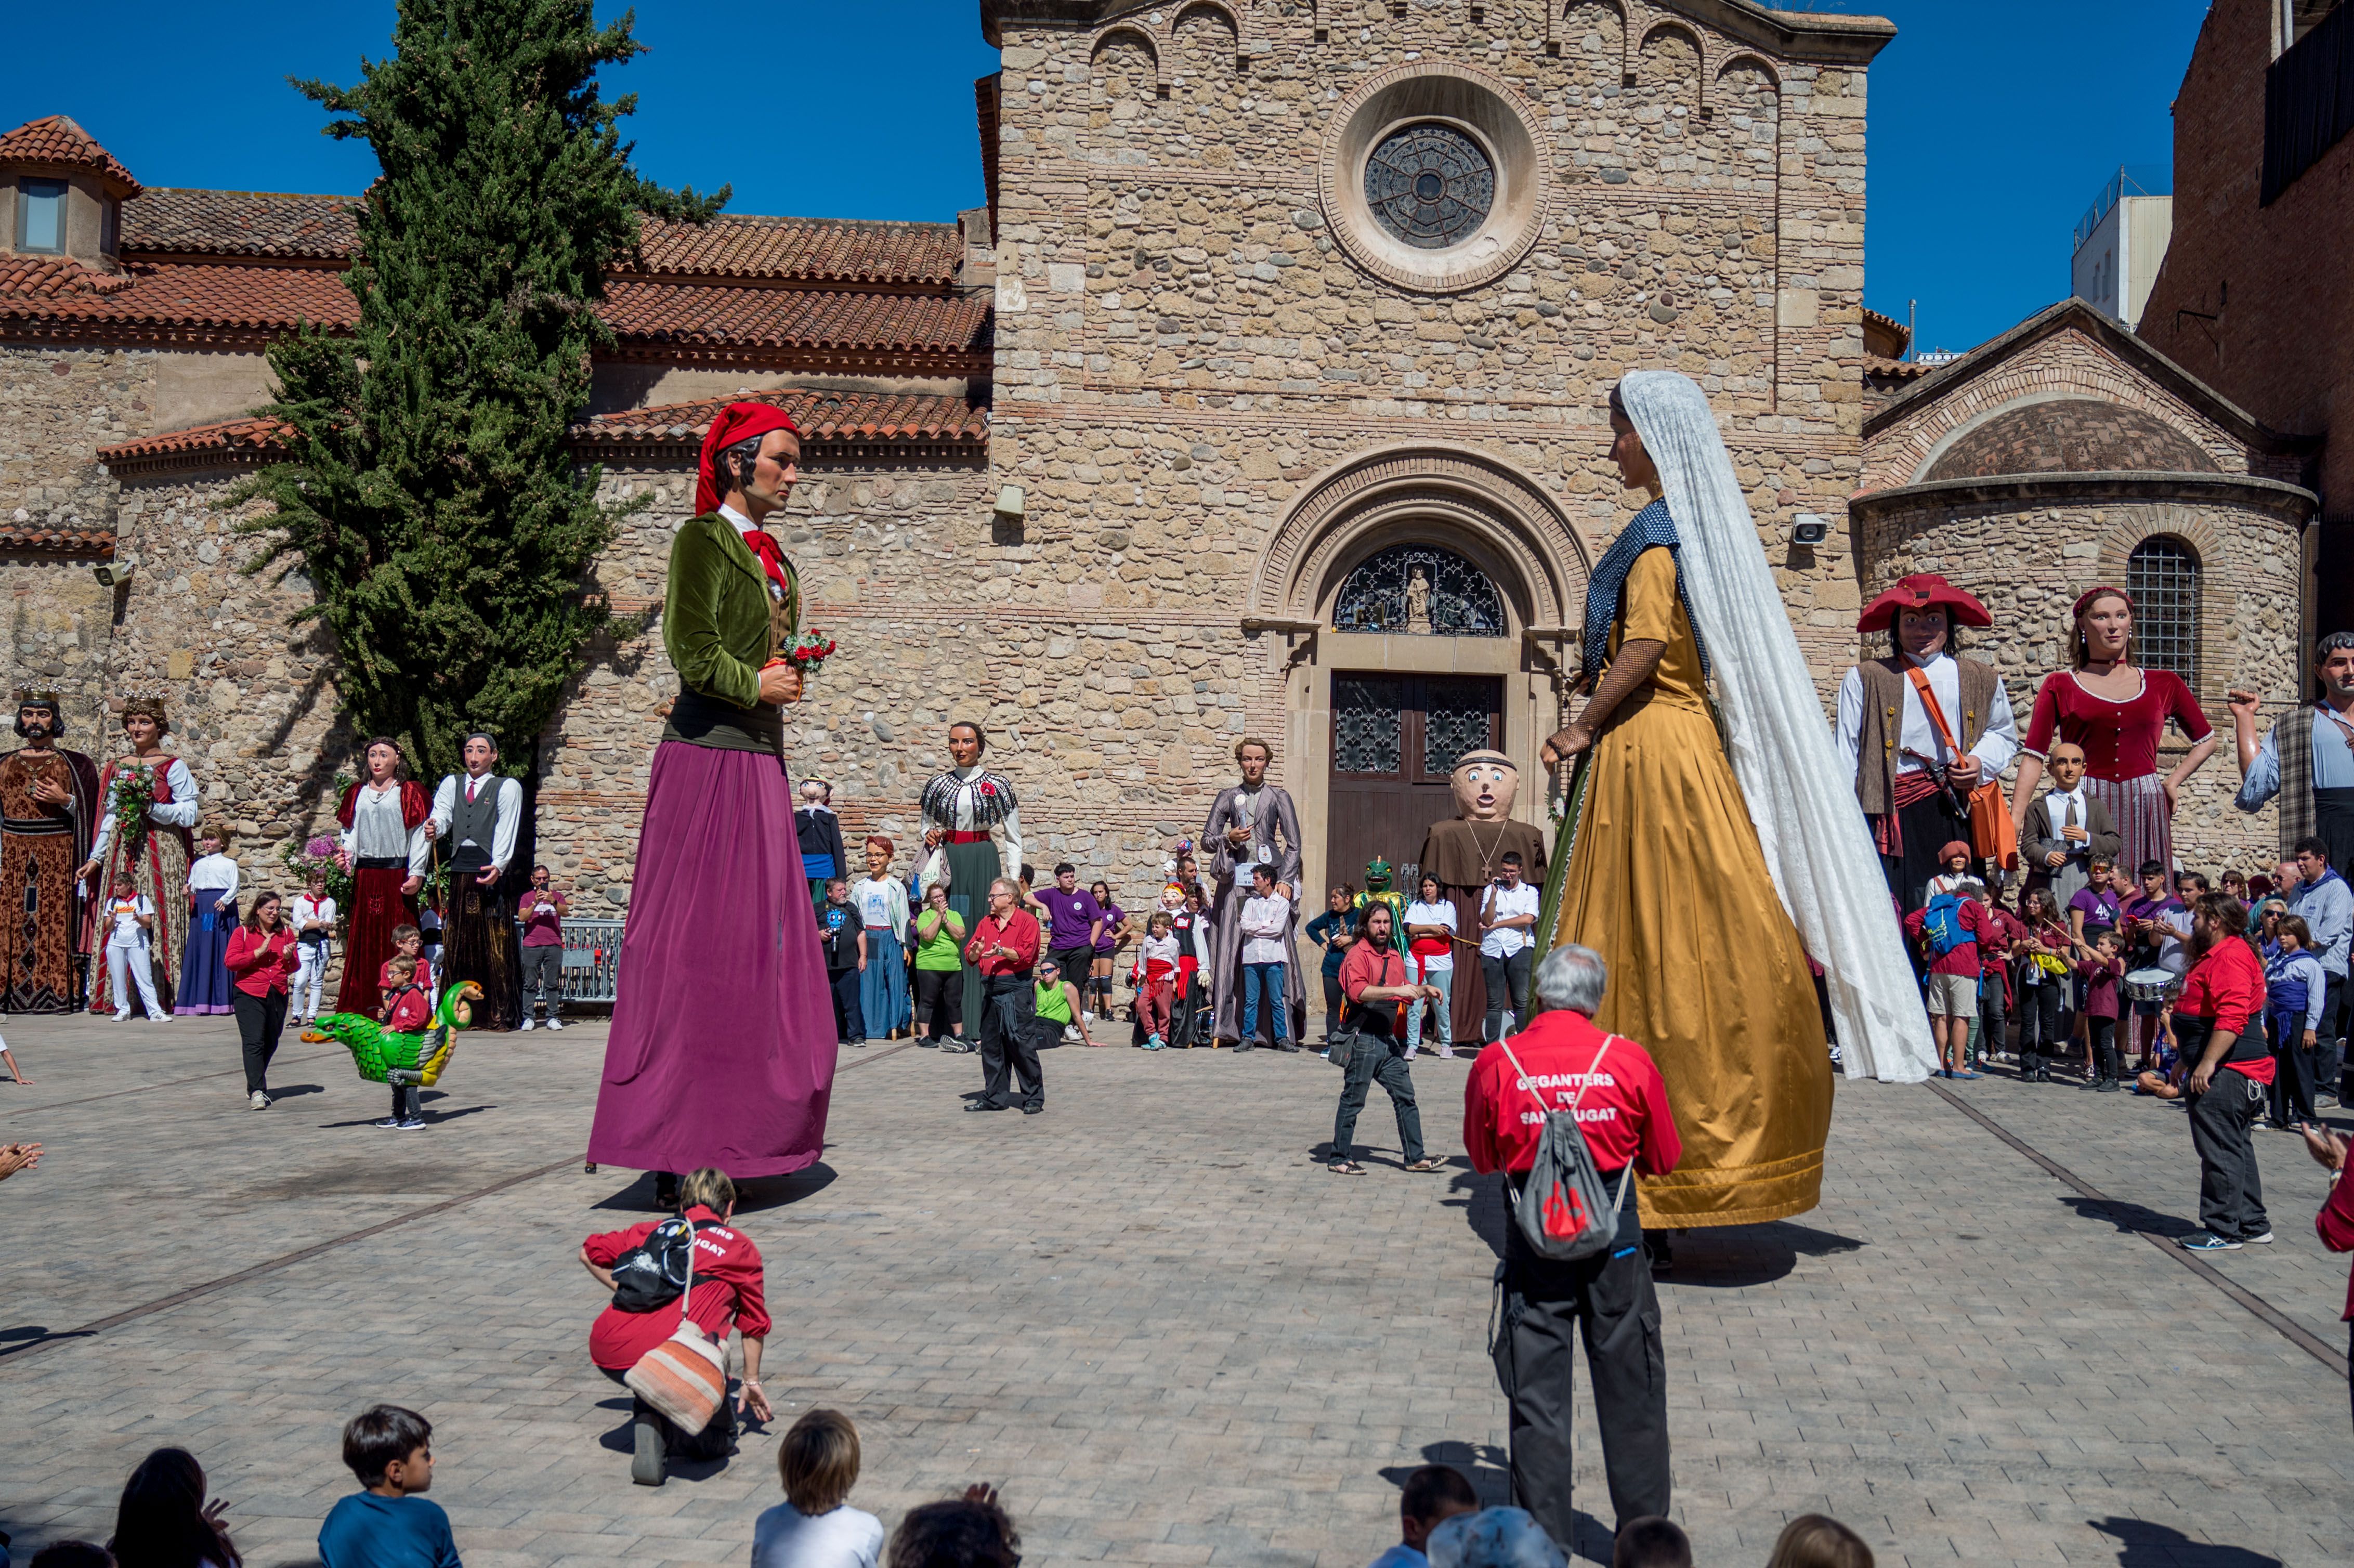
1508 914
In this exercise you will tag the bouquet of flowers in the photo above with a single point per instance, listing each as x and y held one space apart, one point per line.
808 653
134 792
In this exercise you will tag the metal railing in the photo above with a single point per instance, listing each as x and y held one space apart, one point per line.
592 953
2130 180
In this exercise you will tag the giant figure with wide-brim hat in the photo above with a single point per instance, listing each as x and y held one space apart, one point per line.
722 1051
1912 785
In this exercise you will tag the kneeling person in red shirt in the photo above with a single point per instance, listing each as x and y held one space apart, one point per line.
1621 1106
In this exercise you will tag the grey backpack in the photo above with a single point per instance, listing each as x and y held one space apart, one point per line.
1563 1207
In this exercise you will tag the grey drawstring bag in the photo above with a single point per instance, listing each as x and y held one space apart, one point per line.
1563 1207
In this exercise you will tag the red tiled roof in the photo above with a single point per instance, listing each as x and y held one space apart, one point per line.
248 437
668 320
832 424
97 543
804 249
240 223
177 301
56 140
826 419
54 277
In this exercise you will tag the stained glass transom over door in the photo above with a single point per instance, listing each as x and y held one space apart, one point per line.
1419 590
1430 185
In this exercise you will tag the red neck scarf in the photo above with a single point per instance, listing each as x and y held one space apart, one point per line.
772 558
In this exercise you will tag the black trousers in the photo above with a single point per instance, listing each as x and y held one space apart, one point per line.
2290 1094
1542 1304
940 1000
1076 963
2038 1023
259 1019
849 1018
1994 1010
1008 1048
1507 980
2231 1193
1927 825
1376 1059
2329 1040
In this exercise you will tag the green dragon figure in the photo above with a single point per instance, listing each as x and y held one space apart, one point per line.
1378 890
416 1058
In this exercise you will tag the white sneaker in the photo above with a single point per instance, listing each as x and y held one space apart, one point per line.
555 1023
528 1025
160 1018
1070 1035
123 1016
256 1101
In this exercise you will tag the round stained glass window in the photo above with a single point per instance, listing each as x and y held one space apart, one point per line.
1430 185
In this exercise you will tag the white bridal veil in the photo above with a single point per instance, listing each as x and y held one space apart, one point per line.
1812 831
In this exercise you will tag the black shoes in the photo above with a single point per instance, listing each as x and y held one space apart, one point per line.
1033 1110
984 1104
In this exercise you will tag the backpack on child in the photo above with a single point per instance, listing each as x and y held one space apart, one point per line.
1563 1207
1941 924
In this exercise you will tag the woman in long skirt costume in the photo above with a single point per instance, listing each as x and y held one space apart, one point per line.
722 1050
155 855
1709 972
383 847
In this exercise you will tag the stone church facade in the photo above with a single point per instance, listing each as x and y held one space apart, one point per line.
1266 397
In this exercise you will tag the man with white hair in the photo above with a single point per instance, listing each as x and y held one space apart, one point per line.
1613 1087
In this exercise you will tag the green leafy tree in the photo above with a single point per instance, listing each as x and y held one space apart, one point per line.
428 494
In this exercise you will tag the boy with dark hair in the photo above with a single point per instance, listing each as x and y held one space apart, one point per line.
1949 929
1431 1495
390 1524
1651 1543
842 935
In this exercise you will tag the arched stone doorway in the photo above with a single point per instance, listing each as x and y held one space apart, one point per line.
1385 681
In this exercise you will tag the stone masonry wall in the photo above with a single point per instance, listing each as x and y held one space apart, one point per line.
2028 562
1181 341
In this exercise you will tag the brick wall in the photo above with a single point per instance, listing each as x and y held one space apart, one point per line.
2256 300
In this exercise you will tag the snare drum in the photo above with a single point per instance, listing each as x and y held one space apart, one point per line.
2151 985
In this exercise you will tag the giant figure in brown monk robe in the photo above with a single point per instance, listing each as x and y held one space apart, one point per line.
1464 855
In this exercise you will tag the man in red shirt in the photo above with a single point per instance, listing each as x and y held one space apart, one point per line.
2216 1022
1374 981
1621 1106
1003 946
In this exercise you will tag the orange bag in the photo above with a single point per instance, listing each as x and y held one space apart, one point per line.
1993 834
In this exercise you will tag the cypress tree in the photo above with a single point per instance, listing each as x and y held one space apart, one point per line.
428 494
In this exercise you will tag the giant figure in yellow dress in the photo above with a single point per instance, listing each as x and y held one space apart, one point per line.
1705 868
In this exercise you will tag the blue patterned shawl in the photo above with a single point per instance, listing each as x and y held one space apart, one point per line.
1651 526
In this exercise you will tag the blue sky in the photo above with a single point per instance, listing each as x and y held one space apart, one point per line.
1993 122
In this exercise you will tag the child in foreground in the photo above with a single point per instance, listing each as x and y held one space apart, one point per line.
1431 1495
815 1527
390 1524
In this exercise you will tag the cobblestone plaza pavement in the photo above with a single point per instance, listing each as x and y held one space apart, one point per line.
1168 1334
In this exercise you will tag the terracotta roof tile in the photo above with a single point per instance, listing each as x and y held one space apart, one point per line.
177 301
249 436
826 418
694 316
1894 369
55 277
806 249
97 543
57 141
240 223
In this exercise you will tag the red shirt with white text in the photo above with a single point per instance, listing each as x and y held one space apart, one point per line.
1622 1105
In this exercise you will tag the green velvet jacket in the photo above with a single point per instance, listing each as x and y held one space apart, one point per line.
719 626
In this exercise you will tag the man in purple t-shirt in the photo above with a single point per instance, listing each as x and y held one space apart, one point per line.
541 909
1075 921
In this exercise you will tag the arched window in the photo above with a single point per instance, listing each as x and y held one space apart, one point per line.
1419 590
2162 574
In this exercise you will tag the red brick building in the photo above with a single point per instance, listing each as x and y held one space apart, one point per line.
2255 297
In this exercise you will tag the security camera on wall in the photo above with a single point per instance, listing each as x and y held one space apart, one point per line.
115 574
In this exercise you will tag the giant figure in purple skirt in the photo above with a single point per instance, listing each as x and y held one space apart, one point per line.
722 1050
